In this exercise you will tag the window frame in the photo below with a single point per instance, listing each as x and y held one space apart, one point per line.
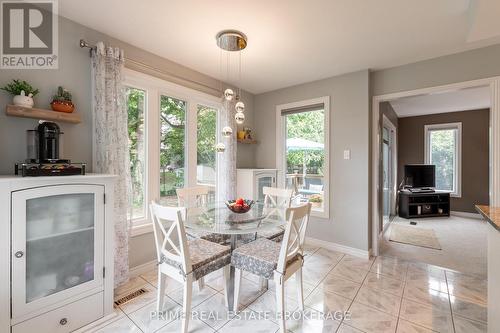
155 88
281 147
457 174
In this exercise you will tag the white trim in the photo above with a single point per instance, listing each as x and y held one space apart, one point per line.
494 84
457 173
338 247
280 144
466 214
143 268
103 322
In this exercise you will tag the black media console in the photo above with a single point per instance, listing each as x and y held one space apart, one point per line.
414 205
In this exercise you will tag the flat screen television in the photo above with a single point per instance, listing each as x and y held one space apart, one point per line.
420 175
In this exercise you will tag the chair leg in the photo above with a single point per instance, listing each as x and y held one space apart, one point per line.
237 287
280 303
226 275
160 291
300 291
201 283
264 283
186 305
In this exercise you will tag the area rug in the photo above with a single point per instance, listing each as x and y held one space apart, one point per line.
414 236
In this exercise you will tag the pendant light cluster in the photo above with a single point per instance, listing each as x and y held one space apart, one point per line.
231 41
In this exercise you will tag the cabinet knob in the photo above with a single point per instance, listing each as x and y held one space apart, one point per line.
19 254
63 321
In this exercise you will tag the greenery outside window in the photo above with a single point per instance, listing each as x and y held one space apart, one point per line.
443 147
303 152
172 134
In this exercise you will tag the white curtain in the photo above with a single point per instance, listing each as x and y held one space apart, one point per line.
111 154
227 160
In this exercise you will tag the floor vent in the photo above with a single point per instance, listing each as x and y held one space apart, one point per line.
131 296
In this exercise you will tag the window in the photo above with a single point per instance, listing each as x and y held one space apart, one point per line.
172 136
443 149
303 157
136 104
172 152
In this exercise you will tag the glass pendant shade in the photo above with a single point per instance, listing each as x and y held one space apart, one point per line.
239 117
220 147
227 131
240 107
228 94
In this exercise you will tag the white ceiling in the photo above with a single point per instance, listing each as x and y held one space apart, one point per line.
294 41
451 101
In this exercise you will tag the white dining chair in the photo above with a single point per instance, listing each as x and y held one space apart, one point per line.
197 196
272 260
275 197
182 260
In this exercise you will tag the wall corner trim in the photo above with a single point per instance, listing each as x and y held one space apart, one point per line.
338 247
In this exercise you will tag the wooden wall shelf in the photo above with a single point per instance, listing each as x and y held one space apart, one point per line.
19 111
247 142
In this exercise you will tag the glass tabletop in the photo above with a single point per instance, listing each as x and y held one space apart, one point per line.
217 218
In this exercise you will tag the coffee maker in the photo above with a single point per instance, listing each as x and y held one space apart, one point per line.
43 154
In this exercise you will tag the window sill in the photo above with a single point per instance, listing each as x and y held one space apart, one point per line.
141 229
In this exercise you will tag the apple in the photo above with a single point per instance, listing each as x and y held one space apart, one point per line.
240 201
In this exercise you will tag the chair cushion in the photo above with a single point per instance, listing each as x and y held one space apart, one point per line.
211 237
259 257
275 234
202 253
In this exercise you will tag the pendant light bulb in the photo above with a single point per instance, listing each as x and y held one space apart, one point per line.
239 117
240 107
228 94
227 132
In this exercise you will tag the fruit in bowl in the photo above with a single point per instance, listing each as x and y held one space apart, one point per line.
239 205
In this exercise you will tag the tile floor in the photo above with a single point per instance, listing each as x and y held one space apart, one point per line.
383 294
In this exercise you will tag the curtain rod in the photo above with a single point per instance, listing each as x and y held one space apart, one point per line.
163 73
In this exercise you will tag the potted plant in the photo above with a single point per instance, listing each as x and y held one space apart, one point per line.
316 200
23 93
61 102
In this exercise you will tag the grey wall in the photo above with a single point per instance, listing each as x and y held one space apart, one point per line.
475 152
349 129
74 74
465 66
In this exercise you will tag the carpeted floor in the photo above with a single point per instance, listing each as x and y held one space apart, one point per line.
463 241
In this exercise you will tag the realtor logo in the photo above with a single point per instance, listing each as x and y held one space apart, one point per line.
29 33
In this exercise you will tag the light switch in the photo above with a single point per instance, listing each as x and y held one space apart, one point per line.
347 154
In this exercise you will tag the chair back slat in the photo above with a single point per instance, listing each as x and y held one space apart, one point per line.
195 196
171 243
277 197
295 232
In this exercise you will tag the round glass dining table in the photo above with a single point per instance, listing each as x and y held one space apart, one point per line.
216 218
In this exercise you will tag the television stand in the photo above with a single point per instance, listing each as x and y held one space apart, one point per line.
424 204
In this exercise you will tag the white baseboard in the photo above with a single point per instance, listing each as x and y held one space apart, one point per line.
143 268
338 247
466 214
98 324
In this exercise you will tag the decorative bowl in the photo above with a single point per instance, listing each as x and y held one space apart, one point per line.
239 209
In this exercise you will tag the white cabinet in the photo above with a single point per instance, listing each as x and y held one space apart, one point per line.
61 238
251 181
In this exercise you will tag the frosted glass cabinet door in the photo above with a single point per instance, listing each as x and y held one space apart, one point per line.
57 244
264 180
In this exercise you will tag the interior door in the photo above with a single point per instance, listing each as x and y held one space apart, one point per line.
57 244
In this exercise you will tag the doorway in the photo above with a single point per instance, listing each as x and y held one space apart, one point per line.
378 185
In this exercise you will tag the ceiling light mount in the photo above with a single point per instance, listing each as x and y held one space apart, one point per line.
231 40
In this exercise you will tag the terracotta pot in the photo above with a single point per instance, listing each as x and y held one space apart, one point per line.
62 106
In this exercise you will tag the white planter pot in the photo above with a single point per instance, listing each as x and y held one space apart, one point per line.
22 100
